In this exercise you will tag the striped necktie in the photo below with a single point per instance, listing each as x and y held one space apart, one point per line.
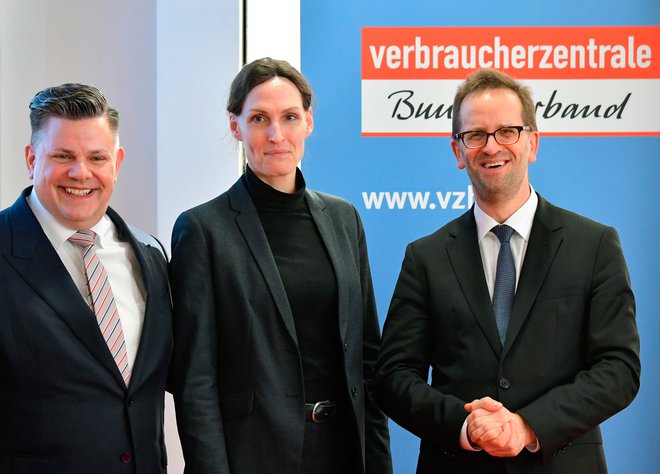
101 301
505 280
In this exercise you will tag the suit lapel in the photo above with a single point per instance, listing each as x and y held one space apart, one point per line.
148 278
544 241
34 258
249 225
465 257
329 236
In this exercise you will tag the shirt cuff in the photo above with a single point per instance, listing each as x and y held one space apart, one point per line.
534 447
465 442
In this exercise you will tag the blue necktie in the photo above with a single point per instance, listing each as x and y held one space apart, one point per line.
505 280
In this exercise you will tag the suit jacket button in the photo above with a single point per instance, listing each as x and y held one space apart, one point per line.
504 383
130 402
126 458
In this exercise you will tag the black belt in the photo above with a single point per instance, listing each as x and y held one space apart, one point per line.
320 412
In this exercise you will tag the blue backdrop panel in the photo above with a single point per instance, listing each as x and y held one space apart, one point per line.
615 180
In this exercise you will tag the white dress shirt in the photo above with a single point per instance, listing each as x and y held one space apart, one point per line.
120 264
489 245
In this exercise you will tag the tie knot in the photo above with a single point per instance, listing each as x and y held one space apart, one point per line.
83 238
503 232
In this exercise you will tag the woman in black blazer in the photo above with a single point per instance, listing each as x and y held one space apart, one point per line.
276 332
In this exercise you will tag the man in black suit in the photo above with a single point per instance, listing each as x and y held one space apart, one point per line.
83 366
520 384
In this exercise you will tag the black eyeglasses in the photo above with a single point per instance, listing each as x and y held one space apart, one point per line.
503 136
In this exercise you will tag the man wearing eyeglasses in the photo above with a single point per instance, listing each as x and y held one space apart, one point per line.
523 311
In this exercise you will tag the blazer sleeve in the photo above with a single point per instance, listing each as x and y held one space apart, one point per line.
610 379
194 368
402 371
378 458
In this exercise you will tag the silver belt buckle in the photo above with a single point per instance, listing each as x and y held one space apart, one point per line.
319 416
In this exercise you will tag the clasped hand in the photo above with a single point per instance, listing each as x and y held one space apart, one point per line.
496 430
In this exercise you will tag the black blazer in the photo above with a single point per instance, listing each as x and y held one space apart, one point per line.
64 407
570 359
236 373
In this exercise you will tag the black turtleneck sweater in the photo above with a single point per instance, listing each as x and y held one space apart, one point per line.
309 281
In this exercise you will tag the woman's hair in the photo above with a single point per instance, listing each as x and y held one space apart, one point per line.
491 79
260 71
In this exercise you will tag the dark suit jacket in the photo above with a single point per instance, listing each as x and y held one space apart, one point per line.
236 374
570 359
64 407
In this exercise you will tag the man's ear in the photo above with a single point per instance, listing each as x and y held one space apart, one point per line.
456 148
534 137
119 161
30 157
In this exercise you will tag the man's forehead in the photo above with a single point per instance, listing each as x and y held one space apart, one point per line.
500 102
493 94
60 127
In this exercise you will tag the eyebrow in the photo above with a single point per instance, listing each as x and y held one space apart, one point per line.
71 152
483 129
294 108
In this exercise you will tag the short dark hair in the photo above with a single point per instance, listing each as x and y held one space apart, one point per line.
260 71
491 79
70 101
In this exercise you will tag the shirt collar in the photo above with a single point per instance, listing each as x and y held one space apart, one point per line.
521 220
56 232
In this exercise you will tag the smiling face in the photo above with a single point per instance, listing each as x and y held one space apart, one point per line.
498 172
273 126
74 165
